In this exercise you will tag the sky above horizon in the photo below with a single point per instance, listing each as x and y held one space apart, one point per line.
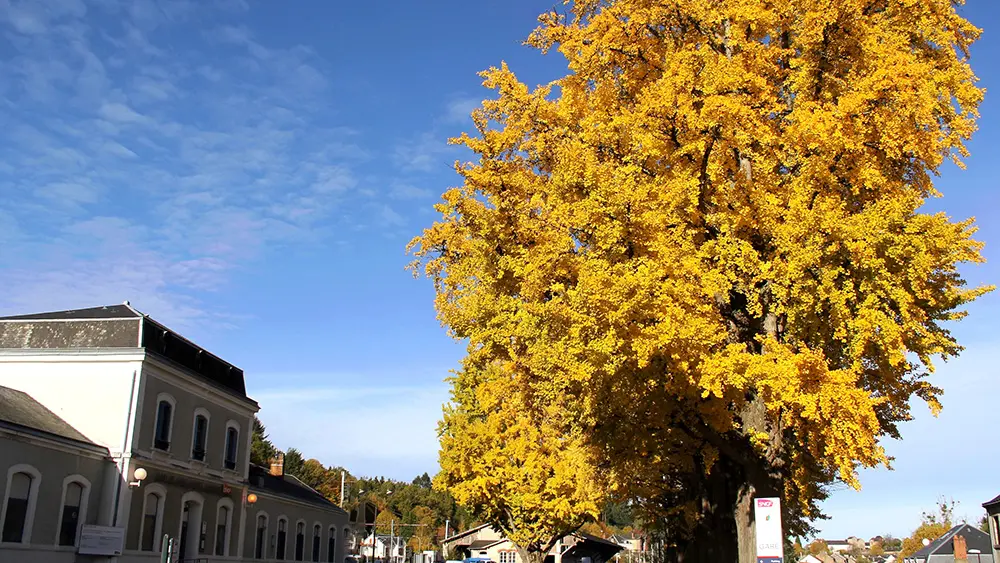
250 172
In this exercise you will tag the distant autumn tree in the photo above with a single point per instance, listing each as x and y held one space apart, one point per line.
699 259
932 526
424 528
817 547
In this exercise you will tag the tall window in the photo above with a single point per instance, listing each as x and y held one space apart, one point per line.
258 551
221 527
300 540
282 534
18 500
508 557
232 443
317 532
150 519
331 546
200 437
71 514
164 412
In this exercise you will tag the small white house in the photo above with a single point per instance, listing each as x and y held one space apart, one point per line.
391 549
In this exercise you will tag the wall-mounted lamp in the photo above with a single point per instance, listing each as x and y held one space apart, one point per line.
251 499
139 475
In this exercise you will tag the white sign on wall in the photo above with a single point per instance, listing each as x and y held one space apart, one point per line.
770 539
101 540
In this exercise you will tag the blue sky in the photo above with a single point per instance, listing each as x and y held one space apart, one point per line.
249 173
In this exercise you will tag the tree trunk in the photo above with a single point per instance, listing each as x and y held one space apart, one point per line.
714 537
743 515
531 556
725 531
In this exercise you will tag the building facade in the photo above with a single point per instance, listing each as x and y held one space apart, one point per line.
484 542
146 401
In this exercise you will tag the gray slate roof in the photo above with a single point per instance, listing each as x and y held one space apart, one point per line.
944 545
19 408
118 326
106 312
992 502
288 486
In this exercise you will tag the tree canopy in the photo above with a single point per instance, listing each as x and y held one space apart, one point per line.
698 263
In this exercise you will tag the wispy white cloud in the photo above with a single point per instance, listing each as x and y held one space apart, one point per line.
427 152
404 190
459 110
139 168
389 217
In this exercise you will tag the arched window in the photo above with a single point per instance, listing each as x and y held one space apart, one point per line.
199 439
331 545
300 539
164 421
259 545
152 517
317 532
282 537
19 504
76 491
223 523
232 444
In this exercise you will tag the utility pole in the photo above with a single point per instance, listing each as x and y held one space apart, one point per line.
341 489
444 546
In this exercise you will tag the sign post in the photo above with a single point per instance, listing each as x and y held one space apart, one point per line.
770 539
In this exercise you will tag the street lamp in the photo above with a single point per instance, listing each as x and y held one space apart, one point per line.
140 475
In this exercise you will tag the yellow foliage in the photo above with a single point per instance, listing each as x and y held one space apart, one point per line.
703 245
516 469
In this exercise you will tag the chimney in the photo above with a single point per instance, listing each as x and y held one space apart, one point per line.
961 553
278 465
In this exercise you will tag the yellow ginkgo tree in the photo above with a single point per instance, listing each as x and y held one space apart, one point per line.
702 254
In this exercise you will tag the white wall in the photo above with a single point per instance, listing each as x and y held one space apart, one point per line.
90 391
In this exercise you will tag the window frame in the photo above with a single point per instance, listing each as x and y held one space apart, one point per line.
161 494
29 512
300 555
316 546
226 503
194 498
256 528
169 399
278 539
200 411
231 424
331 544
84 504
